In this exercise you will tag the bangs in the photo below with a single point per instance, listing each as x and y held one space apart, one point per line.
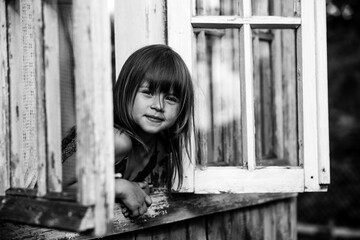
167 76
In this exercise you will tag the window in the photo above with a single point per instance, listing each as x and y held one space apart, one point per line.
260 69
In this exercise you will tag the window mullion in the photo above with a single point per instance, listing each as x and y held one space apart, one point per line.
247 96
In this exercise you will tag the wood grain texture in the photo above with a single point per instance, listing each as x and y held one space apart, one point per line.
263 22
53 106
27 109
63 215
95 149
4 105
148 27
309 97
322 92
240 180
40 105
237 214
180 38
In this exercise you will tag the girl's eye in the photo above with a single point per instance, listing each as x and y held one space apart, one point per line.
147 92
172 99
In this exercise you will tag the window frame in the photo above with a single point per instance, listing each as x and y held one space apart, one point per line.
314 174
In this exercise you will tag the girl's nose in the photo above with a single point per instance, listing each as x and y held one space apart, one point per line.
158 102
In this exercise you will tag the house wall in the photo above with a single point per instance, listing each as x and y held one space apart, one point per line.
272 221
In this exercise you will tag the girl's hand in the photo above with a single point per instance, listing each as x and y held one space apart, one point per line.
133 197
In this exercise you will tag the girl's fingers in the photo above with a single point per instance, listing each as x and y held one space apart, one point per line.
142 184
135 213
148 200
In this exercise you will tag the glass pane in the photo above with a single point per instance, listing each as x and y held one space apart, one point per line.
285 8
218 112
218 7
275 97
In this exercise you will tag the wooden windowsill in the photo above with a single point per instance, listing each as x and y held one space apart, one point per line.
165 209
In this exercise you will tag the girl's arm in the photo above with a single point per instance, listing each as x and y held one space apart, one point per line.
122 143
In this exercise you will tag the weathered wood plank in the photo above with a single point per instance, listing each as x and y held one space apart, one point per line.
95 149
53 106
40 104
197 229
309 95
5 104
322 92
27 109
178 231
15 53
180 37
148 27
161 232
61 215
236 180
238 224
193 208
263 22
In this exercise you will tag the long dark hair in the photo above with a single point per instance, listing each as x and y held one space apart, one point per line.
164 70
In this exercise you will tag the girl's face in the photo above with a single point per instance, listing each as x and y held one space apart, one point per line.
154 111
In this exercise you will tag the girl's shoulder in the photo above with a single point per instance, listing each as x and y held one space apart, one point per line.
122 142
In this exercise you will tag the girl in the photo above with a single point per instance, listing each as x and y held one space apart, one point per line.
153 114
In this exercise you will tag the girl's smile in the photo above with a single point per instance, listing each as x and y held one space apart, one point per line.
154 111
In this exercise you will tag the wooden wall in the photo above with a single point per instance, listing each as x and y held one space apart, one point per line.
271 221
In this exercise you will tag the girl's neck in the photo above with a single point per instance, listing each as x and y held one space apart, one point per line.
148 140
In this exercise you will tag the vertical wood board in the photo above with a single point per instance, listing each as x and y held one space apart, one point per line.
53 106
322 92
41 119
180 38
5 104
309 96
94 110
148 26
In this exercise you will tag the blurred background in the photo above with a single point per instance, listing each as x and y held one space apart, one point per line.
336 213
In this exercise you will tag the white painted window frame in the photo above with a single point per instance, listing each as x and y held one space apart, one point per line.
314 175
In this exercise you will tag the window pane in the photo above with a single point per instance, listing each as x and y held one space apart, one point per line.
285 8
218 110
275 97
218 7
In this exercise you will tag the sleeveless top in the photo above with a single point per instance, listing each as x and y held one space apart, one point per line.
120 167
69 148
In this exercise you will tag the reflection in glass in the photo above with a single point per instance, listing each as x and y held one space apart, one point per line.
275 97
218 81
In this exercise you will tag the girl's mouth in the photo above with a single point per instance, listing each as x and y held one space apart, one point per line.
154 118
